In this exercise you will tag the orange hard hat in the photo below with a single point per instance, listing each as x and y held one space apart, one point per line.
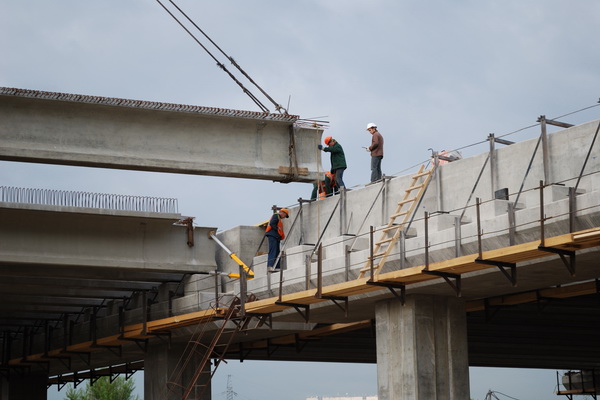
327 140
286 211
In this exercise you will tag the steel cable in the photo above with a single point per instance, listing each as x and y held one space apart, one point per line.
219 64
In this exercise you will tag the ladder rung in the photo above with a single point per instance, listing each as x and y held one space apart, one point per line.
384 241
410 189
389 228
377 255
399 214
367 269
400 203
422 174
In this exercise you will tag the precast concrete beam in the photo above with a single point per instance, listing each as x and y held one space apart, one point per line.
57 128
51 236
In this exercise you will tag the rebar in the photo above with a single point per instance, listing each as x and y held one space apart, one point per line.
64 198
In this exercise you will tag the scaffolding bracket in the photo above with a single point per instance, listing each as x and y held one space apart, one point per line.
62 359
392 286
112 349
297 307
161 336
87 360
263 319
502 266
447 277
570 263
335 300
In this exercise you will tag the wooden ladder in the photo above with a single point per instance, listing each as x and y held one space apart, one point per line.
391 233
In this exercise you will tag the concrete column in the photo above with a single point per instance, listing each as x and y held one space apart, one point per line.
422 349
165 378
30 386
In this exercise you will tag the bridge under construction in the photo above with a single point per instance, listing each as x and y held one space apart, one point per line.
490 260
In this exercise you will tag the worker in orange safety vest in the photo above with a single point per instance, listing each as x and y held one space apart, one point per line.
323 188
275 235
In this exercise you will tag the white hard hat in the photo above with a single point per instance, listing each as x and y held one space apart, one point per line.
371 125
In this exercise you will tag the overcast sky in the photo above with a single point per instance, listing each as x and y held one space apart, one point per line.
431 74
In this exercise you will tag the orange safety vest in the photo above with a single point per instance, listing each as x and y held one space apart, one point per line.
322 187
279 228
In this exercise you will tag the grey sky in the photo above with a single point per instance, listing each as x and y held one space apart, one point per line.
431 74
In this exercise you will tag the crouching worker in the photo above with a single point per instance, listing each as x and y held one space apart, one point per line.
324 188
275 235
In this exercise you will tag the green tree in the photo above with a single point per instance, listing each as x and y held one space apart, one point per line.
102 389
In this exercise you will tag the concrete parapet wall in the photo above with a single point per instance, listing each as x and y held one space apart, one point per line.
348 216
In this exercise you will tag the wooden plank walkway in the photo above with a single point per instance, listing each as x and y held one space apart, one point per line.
513 254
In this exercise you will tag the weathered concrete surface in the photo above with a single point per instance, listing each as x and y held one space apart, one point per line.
166 376
92 131
49 236
422 349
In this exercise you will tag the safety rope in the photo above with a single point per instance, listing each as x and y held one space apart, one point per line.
278 107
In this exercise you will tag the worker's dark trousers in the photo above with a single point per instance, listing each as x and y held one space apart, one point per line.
273 252
376 168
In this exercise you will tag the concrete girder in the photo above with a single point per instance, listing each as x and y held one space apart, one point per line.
79 239
68 129
95 284
132 277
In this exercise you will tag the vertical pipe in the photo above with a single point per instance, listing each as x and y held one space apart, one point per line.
402 244
343 230
371 249
145 311
307 265
545 154
426 220
493 166
217 289
457 236
347 262
281 268
243 290
542 233
438 182
319 270
477 202
572 208
301 240
512 229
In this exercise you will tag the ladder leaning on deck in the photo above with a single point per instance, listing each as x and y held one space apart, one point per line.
391 233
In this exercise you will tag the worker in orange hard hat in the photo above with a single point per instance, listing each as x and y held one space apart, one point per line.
275 235
338 161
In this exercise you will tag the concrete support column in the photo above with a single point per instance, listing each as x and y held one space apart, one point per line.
30 386
422 349
166 379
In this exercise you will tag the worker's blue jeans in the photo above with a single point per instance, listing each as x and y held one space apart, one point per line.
273 252
376 168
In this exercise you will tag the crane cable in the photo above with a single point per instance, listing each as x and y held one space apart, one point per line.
221 65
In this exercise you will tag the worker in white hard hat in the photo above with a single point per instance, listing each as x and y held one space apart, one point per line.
376 150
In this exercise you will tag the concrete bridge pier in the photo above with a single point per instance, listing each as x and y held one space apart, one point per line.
422 349
30 385
165 378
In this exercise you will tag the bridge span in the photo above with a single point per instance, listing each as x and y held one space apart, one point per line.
94 131
496 266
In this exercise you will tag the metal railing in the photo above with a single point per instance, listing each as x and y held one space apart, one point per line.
88 200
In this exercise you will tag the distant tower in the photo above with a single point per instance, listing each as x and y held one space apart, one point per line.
230 393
